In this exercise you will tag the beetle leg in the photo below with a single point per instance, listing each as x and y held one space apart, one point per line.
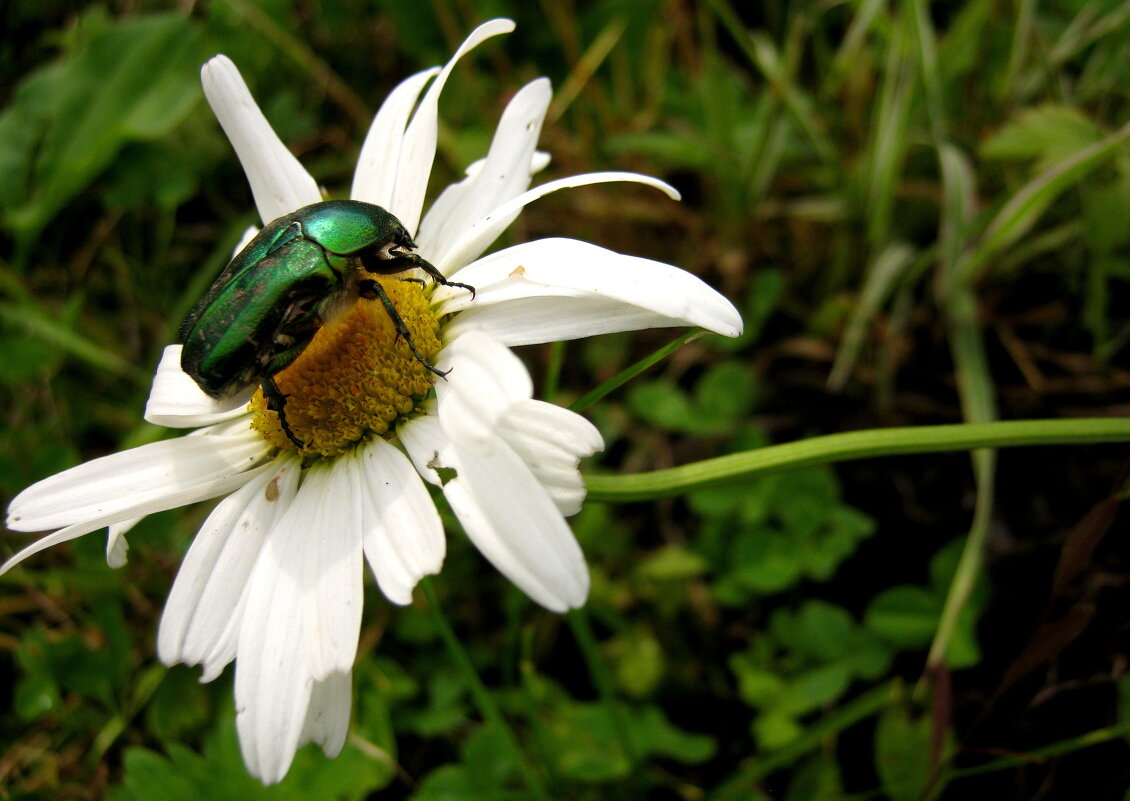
276 402
371 289
418 261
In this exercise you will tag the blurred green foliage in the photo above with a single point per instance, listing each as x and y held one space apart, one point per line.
923 210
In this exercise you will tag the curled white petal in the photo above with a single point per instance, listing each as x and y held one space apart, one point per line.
117 548
175 400
506 513
504 174
484 381
555 289
428 447
279 183
418 147
375 177
473 239
401 530
552 441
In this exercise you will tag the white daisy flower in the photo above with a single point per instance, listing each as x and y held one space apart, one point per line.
273 580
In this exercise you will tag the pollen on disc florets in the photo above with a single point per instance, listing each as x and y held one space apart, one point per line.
356 377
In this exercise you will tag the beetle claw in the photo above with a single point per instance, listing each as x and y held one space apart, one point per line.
276 402
468 287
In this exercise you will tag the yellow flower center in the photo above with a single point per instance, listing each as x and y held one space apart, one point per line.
356 377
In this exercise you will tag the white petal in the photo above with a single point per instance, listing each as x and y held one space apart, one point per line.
512 521
552 441
327 524
327 718
202 614
278 182
476 235
484 381
551 318
453 196
270 717
175 401
117 549
156 476
564 289
198 492
419 146
301 619
428 447
505 511
504 175
375 177
248 234
402 531
539 162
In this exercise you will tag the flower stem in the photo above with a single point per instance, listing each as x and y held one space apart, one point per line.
628 373
482 697
854 445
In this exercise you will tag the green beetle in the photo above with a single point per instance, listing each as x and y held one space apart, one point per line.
296 274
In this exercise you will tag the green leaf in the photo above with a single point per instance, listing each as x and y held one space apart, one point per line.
757 686
179 705
902 753
672 563
805 499
1021 211
134 81
36 695
638 661
586 743
654 734
662 405
882 276
814 688
775 728
721 398
816 779
723 395
26 359
764 560
1046 133
218 773
906 616
585 740
488 757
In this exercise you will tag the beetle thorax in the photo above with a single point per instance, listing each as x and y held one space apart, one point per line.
356 379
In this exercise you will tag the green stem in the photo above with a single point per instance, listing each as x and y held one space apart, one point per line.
628 373
482 697
979 405
1037 755
854 445
553 370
